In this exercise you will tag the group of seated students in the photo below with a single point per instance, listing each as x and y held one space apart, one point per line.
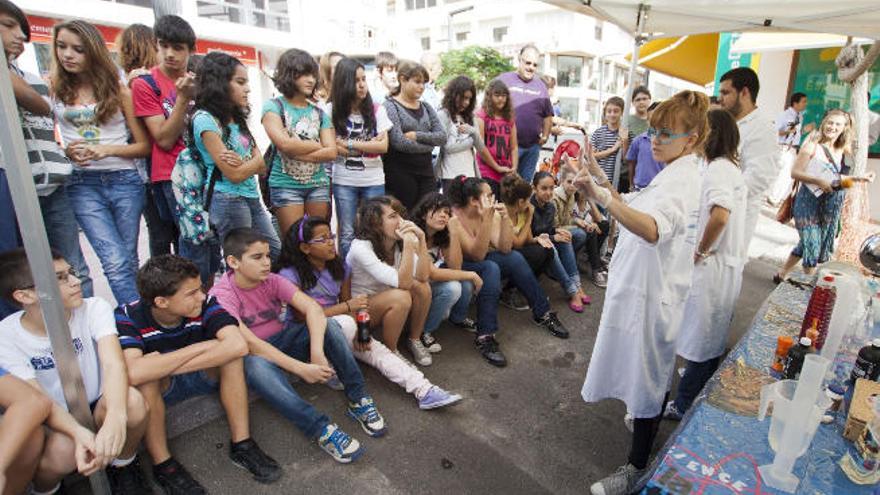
262 321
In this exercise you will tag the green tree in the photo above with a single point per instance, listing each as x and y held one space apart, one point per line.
482 64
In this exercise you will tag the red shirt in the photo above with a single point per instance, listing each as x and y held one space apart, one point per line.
147 104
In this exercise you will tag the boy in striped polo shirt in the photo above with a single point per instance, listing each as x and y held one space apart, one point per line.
178 344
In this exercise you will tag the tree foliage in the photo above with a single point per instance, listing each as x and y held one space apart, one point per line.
482 64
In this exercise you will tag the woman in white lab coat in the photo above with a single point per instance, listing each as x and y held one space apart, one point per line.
718 262
648 281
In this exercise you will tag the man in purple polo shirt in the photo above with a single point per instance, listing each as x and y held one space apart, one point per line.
531 104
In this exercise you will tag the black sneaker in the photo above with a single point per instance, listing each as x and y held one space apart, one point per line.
467 324
513 300
175 480
488 347
248 455
128 479
553 325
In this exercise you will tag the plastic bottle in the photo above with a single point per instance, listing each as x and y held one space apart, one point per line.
868 362
794 361
783 344
363 325
820 308
862 463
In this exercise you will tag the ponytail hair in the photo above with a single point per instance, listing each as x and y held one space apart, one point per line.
462 189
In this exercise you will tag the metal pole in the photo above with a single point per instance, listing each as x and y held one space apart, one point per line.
601 90
33 233
627 102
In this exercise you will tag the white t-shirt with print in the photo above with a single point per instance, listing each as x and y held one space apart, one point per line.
29 357
361 171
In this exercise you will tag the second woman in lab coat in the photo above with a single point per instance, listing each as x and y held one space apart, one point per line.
718 262
648 282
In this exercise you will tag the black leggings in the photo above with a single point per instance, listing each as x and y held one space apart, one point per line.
408 188
594 243
538 258
644 433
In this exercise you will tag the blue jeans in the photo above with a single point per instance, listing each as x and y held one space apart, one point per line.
564 267
694 379
487 298
271 382
63 233
443 296
230 211
578 239
528 161
459 310
347 199
8 233
515 268
192 384
108 206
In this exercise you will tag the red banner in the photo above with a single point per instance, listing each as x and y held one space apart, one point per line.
41 32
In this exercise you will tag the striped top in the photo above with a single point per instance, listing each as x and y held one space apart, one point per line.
139 330
49 166
602 139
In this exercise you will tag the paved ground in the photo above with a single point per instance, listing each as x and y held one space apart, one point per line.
522 429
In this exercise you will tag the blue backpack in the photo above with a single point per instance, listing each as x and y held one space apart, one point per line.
193 191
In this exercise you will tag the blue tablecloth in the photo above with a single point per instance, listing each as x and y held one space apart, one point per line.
715 451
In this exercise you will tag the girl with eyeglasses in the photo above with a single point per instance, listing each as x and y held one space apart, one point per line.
309 260
649 279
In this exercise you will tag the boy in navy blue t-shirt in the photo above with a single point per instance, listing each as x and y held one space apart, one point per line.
178 344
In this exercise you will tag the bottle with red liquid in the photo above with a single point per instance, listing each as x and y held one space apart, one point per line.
819 310
363 325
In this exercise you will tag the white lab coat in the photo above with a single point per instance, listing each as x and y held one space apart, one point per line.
760 161
647 285
716 280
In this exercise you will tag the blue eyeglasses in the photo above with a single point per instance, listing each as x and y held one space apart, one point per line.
665 136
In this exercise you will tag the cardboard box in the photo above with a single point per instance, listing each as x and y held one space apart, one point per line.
860 410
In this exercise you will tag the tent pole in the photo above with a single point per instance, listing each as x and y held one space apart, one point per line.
33 233
627 100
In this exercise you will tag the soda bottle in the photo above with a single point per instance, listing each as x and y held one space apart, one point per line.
819 308
868 362
363 325
783 344
794 362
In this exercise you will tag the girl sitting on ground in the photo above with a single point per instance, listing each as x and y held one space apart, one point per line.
309 260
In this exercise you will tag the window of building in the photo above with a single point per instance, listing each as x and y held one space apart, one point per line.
597 31
271 14
568 109
420 4
499 33
568 71
462 35
426 43
137 3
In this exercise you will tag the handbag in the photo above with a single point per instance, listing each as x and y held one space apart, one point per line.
269 160
784 213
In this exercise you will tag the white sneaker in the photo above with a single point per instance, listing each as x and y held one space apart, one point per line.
621 482
430 343
420 354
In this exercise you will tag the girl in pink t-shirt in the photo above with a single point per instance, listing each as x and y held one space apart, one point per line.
498 130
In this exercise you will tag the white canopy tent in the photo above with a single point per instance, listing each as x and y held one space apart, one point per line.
648 19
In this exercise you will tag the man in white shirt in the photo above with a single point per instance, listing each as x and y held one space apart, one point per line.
789 128
759 151
385 80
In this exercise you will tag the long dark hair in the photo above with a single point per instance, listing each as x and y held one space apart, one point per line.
723 141
369 224
432 202
497 86
293 257
343 96
454 90
214 75
462 189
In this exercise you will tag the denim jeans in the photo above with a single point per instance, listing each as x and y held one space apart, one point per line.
108 206
62 230
162 232
271 382
578 239
230 211
459 310
347 199
443 296
694 379
515 268
528 161
564 267
9 238
487 298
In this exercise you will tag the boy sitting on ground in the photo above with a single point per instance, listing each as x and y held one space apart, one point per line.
256 296
179 344
119 410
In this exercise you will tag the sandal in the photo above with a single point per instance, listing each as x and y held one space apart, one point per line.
586 299
577 308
